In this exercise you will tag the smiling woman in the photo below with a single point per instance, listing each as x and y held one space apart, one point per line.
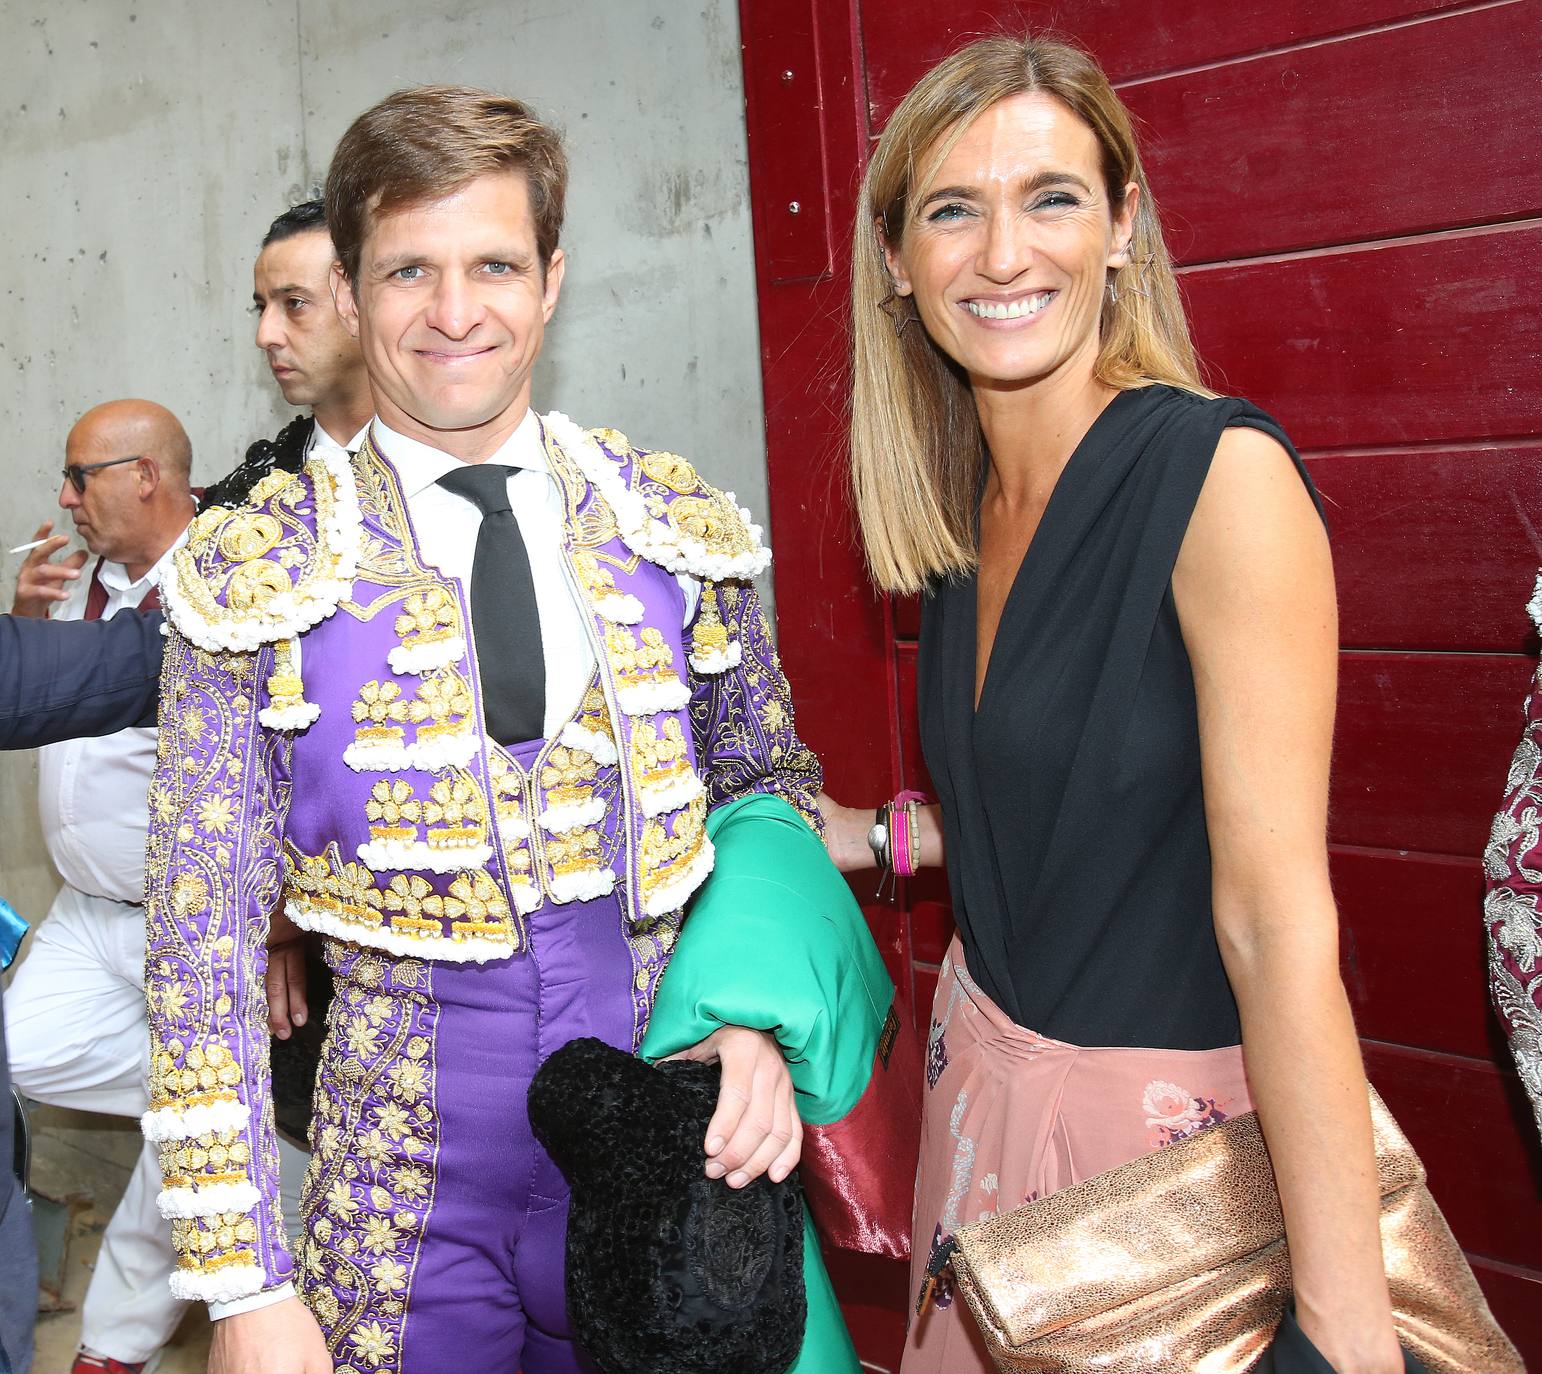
1126 682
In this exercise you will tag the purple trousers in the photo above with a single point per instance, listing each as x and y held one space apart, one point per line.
434 1221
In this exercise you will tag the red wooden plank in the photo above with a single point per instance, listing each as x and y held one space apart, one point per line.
912 763
1434 548
1422 748
1472 1128
1414 922
904 38
873 1293
832 629
1515 1298
1459 94
786 138
1419 341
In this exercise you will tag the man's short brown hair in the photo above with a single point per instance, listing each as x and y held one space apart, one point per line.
426 143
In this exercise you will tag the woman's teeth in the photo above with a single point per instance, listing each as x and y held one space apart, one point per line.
1013 310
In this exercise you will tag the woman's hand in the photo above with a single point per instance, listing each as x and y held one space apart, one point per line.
282 1338
756 1129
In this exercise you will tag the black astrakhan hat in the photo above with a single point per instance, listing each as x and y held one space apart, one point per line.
668 1271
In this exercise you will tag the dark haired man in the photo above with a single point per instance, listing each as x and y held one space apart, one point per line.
313 357
462 704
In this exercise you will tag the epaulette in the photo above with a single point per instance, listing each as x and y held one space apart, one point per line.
284 452
663 509
272 566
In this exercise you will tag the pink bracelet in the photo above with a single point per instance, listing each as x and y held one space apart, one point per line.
904 838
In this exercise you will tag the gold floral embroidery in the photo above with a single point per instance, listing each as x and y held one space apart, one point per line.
659 757
671 470
428 617
456 813
392 812
666 855
379 703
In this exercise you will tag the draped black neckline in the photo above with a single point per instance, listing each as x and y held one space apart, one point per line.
1070 487
1073 808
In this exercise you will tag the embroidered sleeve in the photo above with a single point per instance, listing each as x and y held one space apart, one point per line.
217 806
1512 869
741 706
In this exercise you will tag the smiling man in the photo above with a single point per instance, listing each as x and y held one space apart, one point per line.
462 703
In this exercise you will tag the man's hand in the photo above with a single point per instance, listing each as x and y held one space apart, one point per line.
285 977
282 1338
756 1129
41 582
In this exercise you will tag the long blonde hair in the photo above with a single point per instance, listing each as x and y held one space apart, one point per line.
916 444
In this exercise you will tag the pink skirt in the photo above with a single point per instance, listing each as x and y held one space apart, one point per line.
1012 1116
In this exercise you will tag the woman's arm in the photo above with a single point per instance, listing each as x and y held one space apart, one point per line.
1255 597
846 830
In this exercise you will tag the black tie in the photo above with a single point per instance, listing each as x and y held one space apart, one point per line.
504 618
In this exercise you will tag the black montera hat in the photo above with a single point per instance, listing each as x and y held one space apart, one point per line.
668 1271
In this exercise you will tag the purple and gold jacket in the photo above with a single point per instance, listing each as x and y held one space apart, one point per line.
321 749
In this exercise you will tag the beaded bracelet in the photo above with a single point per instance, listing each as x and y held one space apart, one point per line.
897 848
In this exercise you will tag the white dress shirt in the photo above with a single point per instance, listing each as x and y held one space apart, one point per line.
447 526
91 792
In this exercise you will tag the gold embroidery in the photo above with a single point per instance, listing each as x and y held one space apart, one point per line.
578 851
248 535
391 804
665 855
378 703
428 617
672 470
657 758
639 665
456 813
568 776
444 700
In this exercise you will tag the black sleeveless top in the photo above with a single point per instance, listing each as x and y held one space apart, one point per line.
1072 808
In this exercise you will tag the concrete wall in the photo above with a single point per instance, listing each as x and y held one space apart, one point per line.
145 145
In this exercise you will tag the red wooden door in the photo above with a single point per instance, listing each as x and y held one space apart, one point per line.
1353 191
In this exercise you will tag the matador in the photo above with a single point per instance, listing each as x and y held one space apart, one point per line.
462 702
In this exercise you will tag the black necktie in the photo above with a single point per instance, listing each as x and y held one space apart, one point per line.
504 618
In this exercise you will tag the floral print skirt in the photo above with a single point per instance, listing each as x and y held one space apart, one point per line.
1012 1116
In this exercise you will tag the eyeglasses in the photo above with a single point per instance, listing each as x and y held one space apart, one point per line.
76 473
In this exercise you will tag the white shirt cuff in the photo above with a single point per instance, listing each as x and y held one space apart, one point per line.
235 1306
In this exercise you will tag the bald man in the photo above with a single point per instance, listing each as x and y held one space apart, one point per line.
75 1013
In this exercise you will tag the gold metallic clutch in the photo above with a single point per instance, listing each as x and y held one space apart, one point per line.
1177 1261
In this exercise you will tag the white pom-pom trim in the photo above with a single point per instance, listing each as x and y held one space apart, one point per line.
476 949
207 1201
297 717
407 855
719 660
514 829
621 608
376 756
444 751
658 798
427 658
649 698
674 894
600 747
184 1123
566 816
217 1285
583 886
1534 606
656 540
527 897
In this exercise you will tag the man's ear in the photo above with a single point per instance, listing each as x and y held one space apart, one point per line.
552 288
344 300
147 473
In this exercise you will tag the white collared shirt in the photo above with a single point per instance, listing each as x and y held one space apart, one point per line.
91 792
447 526
320 441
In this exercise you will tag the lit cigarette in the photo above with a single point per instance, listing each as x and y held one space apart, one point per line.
26 548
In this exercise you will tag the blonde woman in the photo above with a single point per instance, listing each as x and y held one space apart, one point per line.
1127 666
